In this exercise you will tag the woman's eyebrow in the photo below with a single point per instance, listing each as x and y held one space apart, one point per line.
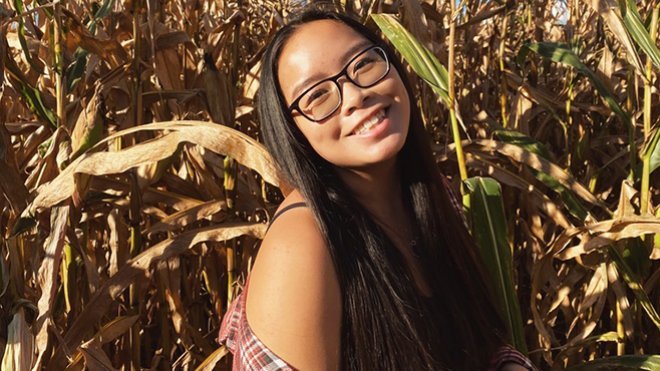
350 53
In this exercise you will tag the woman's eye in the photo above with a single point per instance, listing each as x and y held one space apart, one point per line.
316 96
363 63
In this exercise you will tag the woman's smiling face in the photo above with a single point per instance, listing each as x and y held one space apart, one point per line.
370 125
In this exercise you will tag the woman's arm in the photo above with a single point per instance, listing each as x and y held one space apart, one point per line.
293 301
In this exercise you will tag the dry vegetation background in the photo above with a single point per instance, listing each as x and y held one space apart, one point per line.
134 189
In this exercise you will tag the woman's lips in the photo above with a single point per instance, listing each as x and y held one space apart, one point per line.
375 123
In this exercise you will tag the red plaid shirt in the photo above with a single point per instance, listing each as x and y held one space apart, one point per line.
250 354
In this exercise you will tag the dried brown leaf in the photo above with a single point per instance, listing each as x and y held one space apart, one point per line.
519 154
598 235
590 309
118 241
95 358
251 84
209 363
616 283
78 35
134 269
19 350
48 273
88 128
544 203
609 11
109 332
168 69
184 217
11 183
214 137
169 283
219 94
170 39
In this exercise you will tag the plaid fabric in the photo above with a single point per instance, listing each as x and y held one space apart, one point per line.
250 354
505 355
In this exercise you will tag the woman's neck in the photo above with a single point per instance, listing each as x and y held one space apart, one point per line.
377 188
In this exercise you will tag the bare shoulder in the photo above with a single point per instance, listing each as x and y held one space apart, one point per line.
293 302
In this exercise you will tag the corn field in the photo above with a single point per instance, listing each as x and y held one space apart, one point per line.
135 190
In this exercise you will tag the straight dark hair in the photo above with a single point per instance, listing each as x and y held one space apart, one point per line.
386 323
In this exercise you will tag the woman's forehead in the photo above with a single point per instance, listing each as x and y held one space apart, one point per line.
316 50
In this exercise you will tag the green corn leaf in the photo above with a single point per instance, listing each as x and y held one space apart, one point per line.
638 31
630 362
35 104
652 151
31 95
562 54
521 140
489 231
47 9
420 59
102 11
76 70
529 144
635 286
572 203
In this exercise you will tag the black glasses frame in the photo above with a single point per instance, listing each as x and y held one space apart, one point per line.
344 72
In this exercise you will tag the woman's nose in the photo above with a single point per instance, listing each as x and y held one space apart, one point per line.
353 96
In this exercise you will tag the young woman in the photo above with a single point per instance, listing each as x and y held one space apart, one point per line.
367 264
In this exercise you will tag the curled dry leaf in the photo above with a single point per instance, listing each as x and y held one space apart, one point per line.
209 363
217 138
109 332
184 217
602 234
110 50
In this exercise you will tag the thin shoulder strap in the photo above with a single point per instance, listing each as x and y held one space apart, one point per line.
286 208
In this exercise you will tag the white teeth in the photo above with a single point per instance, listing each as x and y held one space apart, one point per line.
370 122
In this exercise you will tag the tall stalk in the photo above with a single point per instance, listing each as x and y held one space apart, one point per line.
460 157
135 236
646 167
57 64
135 249
631 88
230 194
137 64
503 89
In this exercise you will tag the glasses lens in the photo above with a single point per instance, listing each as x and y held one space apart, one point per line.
321 101
369 67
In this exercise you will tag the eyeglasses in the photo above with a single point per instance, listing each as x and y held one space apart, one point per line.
322 99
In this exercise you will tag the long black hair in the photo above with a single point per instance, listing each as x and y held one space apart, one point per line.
386 323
